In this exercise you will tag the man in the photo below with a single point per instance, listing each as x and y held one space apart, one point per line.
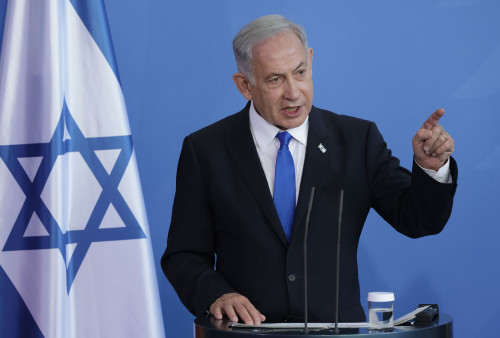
230 171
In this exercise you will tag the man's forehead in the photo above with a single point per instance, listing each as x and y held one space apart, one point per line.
282 50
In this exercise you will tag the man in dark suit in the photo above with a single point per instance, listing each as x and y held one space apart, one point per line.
228 174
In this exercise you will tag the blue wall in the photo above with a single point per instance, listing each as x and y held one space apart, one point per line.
391 61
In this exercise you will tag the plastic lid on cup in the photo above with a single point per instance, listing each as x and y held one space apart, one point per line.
380 296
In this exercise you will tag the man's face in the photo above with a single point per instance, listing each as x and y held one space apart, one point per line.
283 89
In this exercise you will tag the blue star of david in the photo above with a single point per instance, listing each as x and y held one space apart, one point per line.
49 152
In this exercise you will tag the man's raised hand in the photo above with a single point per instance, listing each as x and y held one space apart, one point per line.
432 145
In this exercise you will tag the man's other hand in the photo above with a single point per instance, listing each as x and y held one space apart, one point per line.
234 305
432 146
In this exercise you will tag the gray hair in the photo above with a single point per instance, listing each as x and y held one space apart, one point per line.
258 31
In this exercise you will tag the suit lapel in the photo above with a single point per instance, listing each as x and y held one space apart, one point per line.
316 169
242 149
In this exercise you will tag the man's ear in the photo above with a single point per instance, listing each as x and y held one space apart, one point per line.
243 85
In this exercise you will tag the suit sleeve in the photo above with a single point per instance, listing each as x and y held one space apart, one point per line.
188 261
413 203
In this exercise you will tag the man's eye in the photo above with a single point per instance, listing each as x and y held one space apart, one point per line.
275 81
301 72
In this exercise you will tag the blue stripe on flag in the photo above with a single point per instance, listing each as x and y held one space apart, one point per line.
3 9
15 318
93 15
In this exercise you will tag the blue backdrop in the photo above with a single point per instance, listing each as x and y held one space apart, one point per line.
391 61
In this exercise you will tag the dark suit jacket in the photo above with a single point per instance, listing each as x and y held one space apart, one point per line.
223 205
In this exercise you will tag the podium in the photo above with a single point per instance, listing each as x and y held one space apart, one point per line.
440 328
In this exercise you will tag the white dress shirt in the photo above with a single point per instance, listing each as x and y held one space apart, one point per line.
264 137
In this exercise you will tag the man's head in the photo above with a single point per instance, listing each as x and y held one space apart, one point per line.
275 70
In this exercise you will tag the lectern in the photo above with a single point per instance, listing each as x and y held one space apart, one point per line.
440 328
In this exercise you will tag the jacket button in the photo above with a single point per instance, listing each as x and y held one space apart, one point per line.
292 277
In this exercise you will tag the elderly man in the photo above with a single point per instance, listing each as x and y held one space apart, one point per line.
243 186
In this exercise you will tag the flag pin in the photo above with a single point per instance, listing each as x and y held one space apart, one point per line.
322 148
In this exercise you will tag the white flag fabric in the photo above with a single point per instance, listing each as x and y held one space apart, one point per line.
75 252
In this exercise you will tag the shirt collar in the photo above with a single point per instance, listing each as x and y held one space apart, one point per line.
265 132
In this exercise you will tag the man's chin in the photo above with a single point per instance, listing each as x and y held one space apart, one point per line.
289 126
292 122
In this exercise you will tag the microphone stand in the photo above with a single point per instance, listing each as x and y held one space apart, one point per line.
341 205
311 197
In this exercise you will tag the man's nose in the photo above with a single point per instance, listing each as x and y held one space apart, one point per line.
291 90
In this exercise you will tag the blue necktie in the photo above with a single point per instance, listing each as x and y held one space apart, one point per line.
284 184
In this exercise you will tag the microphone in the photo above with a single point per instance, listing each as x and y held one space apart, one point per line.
311 197
341 206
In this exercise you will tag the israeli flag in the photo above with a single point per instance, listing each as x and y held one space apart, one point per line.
75 252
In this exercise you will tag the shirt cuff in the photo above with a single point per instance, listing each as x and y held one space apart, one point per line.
442 175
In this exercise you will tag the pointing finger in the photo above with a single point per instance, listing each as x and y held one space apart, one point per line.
433 120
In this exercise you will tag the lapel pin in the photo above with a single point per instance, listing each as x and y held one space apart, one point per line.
322 148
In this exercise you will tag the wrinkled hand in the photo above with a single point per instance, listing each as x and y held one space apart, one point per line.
234 305
432 146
